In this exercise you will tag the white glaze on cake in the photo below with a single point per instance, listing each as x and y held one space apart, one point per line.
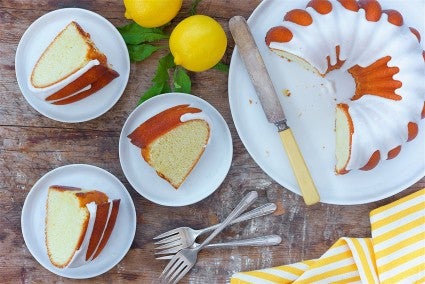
379 123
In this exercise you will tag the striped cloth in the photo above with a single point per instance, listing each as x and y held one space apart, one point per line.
394 254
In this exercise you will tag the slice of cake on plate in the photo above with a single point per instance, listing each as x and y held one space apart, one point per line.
71 68
78 224
172 142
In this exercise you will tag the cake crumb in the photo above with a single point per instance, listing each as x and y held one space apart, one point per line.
286 92
280 209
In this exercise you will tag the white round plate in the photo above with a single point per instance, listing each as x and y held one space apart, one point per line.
86 177
310 112
205 177
106 37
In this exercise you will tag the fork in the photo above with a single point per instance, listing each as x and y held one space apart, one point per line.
185 237
269 240
185 259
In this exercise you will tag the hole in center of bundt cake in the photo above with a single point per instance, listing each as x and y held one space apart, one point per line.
343 85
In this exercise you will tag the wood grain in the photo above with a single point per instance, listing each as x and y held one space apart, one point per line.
31 145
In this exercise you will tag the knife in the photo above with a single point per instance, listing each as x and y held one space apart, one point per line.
263 85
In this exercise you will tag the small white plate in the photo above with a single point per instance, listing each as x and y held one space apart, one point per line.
310 112
86 177
106 37
205 177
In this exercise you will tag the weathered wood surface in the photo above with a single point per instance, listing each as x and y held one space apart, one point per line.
32 145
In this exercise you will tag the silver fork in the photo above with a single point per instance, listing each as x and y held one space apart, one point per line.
270 240
185 259
184 237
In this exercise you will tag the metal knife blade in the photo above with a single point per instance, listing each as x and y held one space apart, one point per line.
258 73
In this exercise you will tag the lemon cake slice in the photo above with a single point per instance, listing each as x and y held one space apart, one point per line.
71 68
172 142
78 224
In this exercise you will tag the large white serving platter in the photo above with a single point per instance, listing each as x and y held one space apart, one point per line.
310 112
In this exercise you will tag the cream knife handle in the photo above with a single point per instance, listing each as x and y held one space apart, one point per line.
305 182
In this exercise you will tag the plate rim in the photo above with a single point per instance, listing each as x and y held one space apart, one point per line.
287 184
165 96
24 214
123 77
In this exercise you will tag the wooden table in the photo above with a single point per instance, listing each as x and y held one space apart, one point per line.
32 145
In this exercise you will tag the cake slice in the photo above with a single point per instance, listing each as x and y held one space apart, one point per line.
344 130
71 65
78 224
172 145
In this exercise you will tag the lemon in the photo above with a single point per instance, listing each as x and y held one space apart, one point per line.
198 43
152 13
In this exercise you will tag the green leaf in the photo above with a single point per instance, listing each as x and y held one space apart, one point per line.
182 83
193 6
141 52
161 78
135 34
154 90
165 63
222 67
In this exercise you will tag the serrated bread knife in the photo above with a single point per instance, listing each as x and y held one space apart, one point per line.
263 85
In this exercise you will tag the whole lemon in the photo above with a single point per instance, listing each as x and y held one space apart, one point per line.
198 43
152 13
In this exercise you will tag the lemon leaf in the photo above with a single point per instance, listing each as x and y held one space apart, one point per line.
165 63
141 52
161 78
223 67
182 83
135 34
154 90
193 6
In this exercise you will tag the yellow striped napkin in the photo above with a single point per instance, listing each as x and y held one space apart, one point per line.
394 254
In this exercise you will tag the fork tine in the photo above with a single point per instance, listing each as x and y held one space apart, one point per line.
177 243
177 263
165 257
168 239
178 271
172 250
167 268
166 234
182 274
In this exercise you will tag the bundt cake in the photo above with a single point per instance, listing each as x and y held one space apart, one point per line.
71 68
383 56
78 224
172 142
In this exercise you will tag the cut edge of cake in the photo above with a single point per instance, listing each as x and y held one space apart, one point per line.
180 150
